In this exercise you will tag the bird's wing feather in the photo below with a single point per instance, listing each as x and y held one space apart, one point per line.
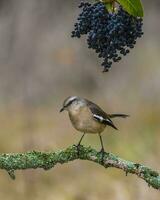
100 115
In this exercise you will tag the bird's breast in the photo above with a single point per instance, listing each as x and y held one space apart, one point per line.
82 120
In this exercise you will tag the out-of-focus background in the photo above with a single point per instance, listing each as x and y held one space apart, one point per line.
40 65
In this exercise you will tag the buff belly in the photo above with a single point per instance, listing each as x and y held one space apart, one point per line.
84 122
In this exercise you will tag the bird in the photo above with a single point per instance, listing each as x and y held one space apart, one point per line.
88 118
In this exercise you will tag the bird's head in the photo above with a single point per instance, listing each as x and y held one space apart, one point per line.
71 102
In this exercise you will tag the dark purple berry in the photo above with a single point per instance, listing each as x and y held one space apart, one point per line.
111 35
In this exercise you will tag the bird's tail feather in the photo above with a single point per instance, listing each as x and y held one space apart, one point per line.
118 115
110 123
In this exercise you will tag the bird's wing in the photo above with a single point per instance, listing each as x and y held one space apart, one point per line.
99 115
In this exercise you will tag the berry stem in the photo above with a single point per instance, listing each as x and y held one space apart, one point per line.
113 6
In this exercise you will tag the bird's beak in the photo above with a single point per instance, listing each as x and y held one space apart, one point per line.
61 110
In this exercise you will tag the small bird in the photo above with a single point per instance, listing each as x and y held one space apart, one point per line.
87 117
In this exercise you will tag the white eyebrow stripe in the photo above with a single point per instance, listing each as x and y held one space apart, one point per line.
71 99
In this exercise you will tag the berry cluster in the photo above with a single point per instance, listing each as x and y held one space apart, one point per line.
111 35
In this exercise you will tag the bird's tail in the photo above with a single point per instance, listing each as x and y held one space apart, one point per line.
118 115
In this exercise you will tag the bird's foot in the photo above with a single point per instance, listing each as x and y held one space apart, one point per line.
78 146
102 152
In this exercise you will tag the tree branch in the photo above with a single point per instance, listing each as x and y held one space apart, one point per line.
33 160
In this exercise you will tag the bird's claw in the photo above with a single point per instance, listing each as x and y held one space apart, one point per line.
78 146
102 152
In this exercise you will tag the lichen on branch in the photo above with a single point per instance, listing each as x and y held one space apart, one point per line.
47 160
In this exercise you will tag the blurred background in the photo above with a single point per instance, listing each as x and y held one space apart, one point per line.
40 65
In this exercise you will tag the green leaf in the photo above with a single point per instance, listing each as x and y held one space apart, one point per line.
133 7
109 7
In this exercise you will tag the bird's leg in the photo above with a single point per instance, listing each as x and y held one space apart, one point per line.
102 149
79 143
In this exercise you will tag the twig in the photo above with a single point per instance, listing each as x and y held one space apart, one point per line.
33 160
